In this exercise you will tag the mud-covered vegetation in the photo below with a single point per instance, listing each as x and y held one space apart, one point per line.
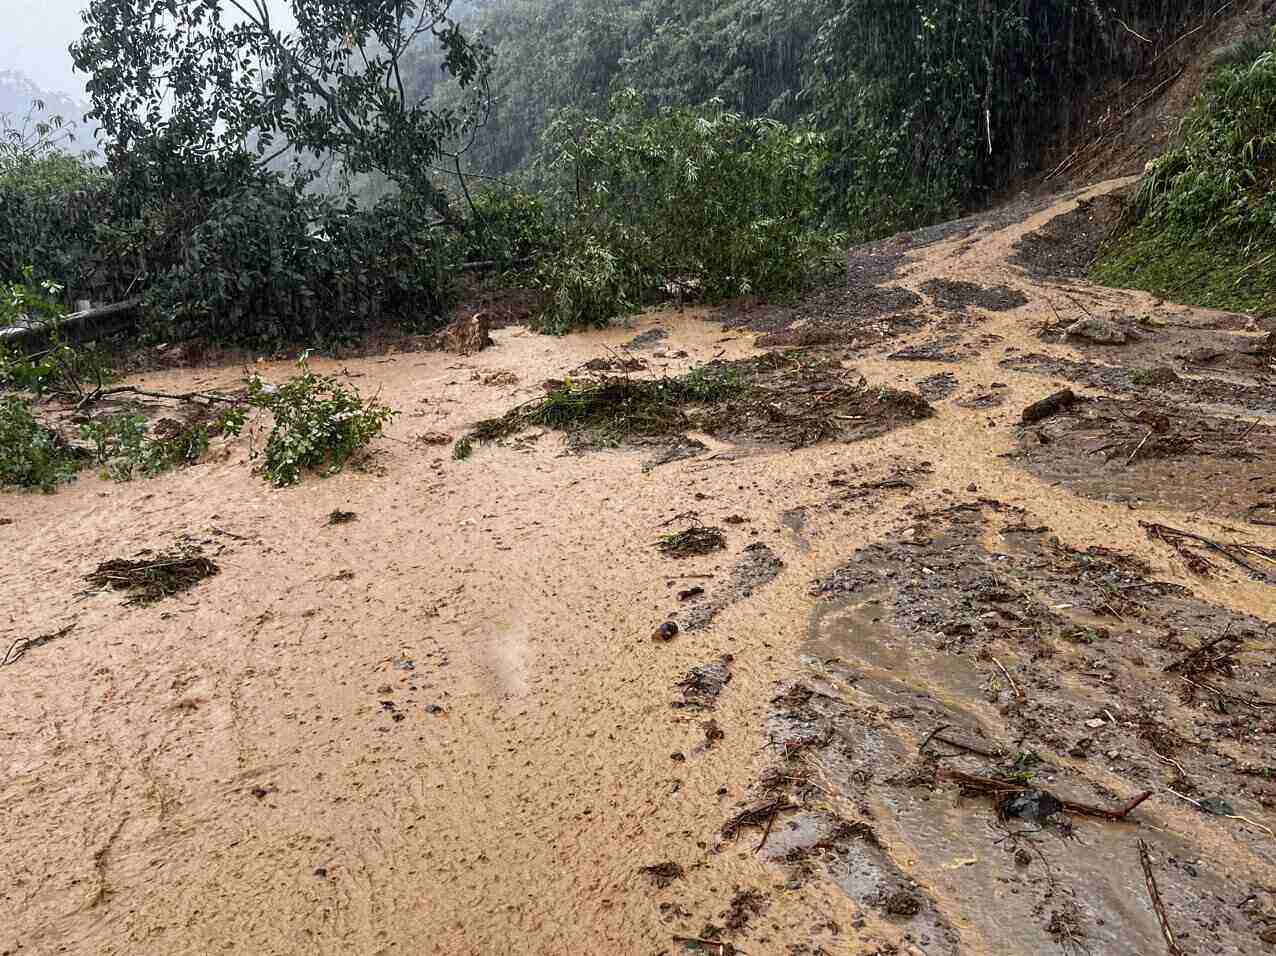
1202 224
788 399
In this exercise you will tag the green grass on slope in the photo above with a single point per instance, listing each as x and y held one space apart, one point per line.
1203 221
1210 273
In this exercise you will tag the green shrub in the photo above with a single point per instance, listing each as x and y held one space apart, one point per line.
318 424
508 226
126 446
50 204
59 368
703 201
587 284
32 456
1202 225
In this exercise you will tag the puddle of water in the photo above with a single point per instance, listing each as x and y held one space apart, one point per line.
856 630
795 521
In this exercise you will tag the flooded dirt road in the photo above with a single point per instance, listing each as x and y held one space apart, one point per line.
444 726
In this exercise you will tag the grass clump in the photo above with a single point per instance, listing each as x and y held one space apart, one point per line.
1202 225
31 455
318 424
793 399
696 540
606 411
154 577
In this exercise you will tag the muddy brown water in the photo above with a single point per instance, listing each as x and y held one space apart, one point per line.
444 727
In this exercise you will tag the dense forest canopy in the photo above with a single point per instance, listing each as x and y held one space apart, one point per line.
464 131
930 106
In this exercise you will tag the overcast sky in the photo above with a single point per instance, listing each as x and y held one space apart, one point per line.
34 35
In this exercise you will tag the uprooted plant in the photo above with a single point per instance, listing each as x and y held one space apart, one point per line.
692 541
318 424
792 399
126 445
153 577
31 454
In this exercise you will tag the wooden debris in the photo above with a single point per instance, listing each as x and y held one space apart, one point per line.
1048 406
1158 905
759 816
24 644
1234 551
995 786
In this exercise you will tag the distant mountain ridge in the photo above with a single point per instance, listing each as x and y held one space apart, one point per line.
17 95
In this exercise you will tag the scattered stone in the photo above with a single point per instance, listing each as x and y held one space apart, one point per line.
704 682
712 732
645 340
1217 806
1097 330
1034 805
665 632
464 336
903 903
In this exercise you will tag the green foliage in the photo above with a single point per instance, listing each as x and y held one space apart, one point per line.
50 204
928 108
127 447
588 284
701 200
59 368
508 225
174 83
1203 220
318 424
32 456
268 263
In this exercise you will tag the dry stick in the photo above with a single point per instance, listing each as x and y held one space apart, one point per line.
1226 816
969 748
1013 686
134 390
1249 702
1208 645
1145 857
1135 454
766 834
24 644
724 948
1131 32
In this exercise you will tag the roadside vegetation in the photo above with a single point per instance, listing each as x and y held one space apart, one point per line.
1201 227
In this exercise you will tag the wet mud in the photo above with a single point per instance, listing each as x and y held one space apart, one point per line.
1039 663
487 714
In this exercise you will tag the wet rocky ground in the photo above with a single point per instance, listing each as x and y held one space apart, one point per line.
996 742
965 678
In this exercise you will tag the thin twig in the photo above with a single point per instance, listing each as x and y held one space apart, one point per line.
1158 906
766 834
1013 686
24 644
1226 816
1134 454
